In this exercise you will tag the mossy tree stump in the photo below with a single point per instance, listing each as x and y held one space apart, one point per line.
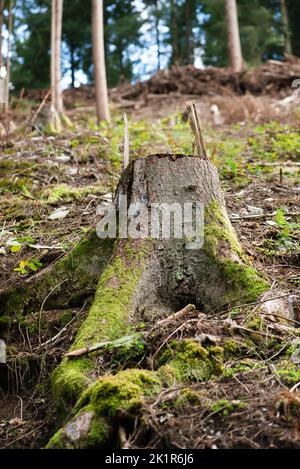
147 279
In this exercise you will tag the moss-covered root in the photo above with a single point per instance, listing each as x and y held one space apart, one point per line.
108 318
96 414
186 361
66 282
113 400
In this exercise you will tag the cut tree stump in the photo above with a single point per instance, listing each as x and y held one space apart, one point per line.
147 279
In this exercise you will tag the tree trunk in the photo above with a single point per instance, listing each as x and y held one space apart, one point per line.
286 25
174 34
57 108
99 62
149 277
1 27
72 60
157 18
58 36
8 60
187 59
234 41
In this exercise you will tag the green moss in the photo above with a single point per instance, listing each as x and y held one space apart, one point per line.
69 193
68 380
58 441
15 184
186 361
225 407
98 434
4 322
243 366
249 285
218 231
71 278
255 322
105 399
107 318
124 391
66 317
222 246
231 348
188 396
288 372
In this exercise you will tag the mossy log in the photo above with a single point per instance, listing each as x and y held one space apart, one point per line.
145 280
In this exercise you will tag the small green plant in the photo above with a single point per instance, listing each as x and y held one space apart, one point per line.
27 266
18 243
287 231
225 407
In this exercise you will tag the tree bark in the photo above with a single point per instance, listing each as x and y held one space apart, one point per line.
286 25
188 56
8 60
234 41
102 106
72 60
1 27
148 278
58 38
174 34
56 90
157 18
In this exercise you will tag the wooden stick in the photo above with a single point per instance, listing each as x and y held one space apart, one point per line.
183 312
195 124
126 143
33 119
102 345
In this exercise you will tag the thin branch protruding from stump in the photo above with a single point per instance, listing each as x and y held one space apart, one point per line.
126 143
195 124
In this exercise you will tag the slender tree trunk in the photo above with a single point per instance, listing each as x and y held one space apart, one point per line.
8 60
102 106
72 59
286 24
174 33
234 41
1 27
56 92
58 35
157 18
188 53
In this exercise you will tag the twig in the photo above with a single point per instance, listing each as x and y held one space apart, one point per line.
255 303
127 339
32 121
296 386
197 131
26 434
173 317
126 143
57 336
42 307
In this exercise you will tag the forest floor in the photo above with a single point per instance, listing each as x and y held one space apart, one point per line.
50 186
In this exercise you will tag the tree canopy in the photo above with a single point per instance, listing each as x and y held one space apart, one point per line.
186 31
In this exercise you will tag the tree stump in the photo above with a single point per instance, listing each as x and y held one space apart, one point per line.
148 278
